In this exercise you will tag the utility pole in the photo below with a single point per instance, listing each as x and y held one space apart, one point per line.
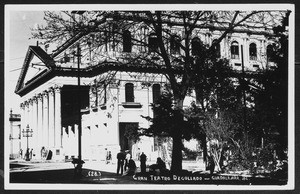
79 102
78 161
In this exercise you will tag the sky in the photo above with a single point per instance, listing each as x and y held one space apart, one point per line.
18 40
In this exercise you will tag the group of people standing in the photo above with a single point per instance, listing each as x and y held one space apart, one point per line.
125 158
127 164
28 154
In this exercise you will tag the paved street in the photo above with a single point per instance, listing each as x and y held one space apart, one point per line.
101 173
63 172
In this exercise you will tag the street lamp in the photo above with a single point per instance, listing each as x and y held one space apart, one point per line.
78 161
27 133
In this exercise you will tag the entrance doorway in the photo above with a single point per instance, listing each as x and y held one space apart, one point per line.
124 130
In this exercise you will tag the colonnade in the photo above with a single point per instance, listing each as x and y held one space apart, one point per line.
42 112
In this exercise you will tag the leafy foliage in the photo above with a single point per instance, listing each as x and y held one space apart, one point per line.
165 121
131 133
271 100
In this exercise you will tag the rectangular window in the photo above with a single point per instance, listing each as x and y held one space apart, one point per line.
234 49
153 43
129 92
155 92
127 41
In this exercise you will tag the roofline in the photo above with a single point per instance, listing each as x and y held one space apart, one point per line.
87 73
103 68
211 27
42 55
35 83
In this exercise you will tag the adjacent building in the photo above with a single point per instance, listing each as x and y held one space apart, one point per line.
16 151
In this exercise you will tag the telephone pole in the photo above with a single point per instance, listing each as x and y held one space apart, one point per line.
79 103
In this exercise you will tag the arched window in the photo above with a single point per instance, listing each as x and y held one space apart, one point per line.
270 52
129 92
234 49
152 42
175 44
196 46
216 48
253 51
127 41
155 92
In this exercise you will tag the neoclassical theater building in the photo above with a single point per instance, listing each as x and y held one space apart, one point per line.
113 93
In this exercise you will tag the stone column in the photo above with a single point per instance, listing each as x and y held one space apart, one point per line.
22 107
26 122
51 117
45 119
57 117
30 119
261 52
40 123
227 48
34 125
23 125
245 53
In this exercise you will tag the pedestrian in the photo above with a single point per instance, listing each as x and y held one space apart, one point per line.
43 153
121 158
21 153
26 156
128 156
138 153
30 154
108 157
131 167
160 165
143 159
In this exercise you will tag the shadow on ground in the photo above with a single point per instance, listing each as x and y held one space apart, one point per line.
97 177
67 176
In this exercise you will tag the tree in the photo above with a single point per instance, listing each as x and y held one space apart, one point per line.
100 34
271 97
220 132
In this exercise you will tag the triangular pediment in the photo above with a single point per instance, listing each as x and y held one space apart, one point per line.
37 62
35 67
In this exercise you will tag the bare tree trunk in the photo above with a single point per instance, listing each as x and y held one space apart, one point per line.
176 165
217 157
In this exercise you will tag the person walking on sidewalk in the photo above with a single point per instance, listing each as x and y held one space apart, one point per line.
121 158
143 159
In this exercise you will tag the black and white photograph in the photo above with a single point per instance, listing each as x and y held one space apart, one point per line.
149 97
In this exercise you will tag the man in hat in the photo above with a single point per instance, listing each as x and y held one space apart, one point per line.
143 159
121 158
